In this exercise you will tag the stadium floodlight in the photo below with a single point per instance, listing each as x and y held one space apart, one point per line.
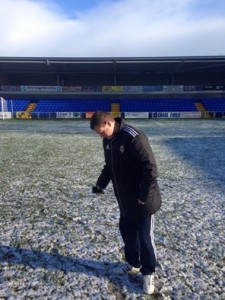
4 107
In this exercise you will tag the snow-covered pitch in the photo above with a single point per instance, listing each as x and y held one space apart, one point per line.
58 241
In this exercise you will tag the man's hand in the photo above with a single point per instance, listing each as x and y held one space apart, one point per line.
141 202
97 190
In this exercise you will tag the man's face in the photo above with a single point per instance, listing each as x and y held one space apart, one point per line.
105 130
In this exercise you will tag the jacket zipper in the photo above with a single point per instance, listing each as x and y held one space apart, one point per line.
120 203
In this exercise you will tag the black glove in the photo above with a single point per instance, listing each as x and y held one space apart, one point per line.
97 190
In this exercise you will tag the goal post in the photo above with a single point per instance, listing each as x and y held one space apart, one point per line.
4 111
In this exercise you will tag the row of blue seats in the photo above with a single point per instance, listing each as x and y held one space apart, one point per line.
17 105
158 105
83 105
214 104
132 105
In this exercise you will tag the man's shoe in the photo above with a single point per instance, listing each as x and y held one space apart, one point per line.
126 269
133 270
148 284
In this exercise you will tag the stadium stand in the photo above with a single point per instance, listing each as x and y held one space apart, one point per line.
126 105
157 105
18 105
217 105
51 108
61 87
71 105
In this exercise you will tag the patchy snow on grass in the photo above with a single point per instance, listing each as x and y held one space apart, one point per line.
58 241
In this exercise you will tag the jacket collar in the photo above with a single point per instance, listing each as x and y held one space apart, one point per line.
121 124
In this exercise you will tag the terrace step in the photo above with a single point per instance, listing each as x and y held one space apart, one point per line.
200 107
115 109
27 113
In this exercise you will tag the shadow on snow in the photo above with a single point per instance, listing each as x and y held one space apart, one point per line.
205 154
57 262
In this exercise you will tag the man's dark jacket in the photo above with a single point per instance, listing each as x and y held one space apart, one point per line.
130 164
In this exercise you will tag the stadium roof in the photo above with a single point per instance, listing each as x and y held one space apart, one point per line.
114 65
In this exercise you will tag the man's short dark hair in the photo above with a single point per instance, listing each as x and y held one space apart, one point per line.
99 117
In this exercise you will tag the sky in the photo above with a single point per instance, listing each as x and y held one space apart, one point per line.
112 28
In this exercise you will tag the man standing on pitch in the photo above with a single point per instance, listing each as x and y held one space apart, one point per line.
130 164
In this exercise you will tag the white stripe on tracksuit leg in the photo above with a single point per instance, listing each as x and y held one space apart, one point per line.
152 234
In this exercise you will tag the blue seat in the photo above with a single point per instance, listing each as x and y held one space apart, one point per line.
17 105
157 105
72 105
217 105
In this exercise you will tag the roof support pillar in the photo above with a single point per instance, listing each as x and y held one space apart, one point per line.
115 73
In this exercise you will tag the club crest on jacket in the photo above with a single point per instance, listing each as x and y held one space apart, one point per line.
122 148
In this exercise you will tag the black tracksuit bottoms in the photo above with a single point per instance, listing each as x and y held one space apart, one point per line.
138 237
